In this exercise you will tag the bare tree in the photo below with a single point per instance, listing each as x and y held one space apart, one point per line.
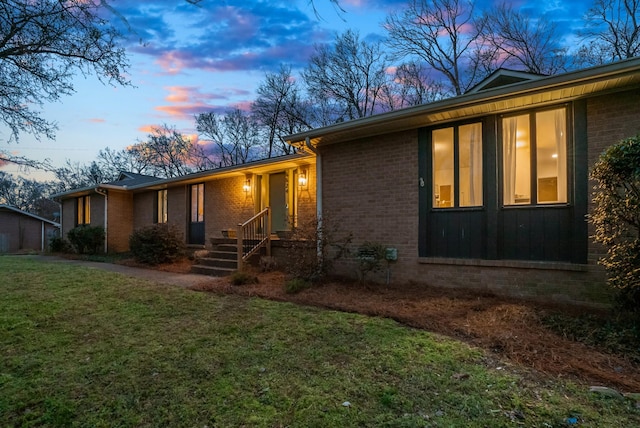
441 33
412 86
235 135
211 126
519 41
122 160
168 153
612 32
352 72
273 106
244 134
43 44
27 195
76 175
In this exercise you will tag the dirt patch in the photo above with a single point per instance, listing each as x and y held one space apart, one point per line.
509 328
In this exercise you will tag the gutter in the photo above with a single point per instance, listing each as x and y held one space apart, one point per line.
106 218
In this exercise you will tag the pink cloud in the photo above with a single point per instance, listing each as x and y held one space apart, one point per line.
186 101
96 120
147 129
172 62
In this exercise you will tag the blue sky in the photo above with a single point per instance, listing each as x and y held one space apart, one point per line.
188 59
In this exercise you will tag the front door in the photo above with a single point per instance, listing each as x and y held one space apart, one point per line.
196 223
278 201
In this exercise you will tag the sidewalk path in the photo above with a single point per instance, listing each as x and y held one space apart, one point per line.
161 277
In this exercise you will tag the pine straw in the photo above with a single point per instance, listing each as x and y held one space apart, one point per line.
512 329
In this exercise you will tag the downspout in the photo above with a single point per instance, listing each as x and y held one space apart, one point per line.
42 236
106 221
307 142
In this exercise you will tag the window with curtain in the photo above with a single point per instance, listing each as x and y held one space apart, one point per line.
534 150
162 206
83 210
457 166
197 203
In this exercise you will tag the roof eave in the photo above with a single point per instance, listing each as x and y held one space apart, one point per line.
545 84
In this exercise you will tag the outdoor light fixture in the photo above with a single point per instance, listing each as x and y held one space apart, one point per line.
247 185
302 178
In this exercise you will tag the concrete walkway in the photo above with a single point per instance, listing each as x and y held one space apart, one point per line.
160 277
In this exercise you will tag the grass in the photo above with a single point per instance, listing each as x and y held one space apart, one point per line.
88 348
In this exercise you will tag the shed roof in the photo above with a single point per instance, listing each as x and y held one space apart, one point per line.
9 208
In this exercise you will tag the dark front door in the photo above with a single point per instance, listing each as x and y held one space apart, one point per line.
278 201
196 223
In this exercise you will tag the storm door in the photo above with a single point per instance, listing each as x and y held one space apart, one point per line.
196 222
278 201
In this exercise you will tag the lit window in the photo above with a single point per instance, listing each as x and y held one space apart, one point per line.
83 210
162 206
197 203
535 158
443 168
457 166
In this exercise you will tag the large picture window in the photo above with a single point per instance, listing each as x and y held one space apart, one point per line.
83 210
534 148
457 166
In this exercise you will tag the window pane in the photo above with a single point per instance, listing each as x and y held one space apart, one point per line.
470 165
162 206
194 203
87 210
551 156
197 203
80 219
200 202
442 148
516 149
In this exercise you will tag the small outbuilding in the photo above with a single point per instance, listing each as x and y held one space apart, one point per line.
23 231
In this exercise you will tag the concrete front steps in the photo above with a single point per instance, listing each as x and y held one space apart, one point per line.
222 260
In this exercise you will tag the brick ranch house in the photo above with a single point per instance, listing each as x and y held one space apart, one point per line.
206 207
487 190
23 231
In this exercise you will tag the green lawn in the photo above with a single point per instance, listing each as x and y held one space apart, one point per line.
84 347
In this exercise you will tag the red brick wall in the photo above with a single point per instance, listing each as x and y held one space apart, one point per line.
120 221
611 119
306 196
144 206
370 189
178 208
97 210
226 204
68 215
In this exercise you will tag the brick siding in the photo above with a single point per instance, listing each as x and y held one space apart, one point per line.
120 221
370 189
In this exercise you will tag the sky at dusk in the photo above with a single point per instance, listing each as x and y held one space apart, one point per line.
188 59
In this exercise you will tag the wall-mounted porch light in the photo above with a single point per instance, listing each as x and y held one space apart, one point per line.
302 178
247 185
